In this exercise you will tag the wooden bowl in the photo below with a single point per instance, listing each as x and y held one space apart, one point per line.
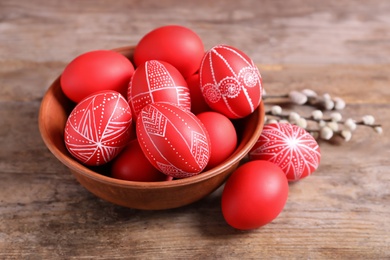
54 110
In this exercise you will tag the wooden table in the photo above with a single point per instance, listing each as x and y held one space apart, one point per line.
342 211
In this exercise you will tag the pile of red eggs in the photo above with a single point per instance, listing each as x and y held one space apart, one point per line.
169 112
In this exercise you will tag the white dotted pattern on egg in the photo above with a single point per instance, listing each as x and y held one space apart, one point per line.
157 85
173 140
98 128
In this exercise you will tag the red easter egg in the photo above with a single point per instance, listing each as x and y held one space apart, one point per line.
198 104
132 165
230 81
223 136
96 71
254 195
157 81
98 128
175 44
173 139
289 146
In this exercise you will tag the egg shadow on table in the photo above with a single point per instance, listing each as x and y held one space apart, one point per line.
209 218
89 212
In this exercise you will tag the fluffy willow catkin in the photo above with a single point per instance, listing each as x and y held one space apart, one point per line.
328 123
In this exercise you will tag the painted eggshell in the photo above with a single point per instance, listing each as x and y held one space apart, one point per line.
289 146
175 44
173 139
132 165
96 71
157 81
198 104
230 81
223 136
98 128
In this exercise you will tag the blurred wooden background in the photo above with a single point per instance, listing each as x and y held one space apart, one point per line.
337 47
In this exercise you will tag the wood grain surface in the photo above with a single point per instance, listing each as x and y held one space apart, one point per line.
338 47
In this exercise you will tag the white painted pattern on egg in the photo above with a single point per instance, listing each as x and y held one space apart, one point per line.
230 81
98 128
157 81
291 147
173 140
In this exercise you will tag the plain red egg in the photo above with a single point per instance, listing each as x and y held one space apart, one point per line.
254 195
230 81
98 128
175 44
132 165
173 139
157 81
223 136
289 146
96 71
198 104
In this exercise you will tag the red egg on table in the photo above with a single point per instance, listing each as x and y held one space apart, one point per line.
223 136
177 45
290 147
230 81
173 139
254 195
198 104
157 81
96 71
132 165
98 128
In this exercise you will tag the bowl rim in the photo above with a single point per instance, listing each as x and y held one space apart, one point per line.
74 165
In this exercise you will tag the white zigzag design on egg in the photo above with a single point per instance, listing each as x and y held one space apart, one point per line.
199 148
155 123
172 170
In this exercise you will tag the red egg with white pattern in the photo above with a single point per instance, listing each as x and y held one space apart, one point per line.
290 147
98 128
230 82
173 139
157 81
